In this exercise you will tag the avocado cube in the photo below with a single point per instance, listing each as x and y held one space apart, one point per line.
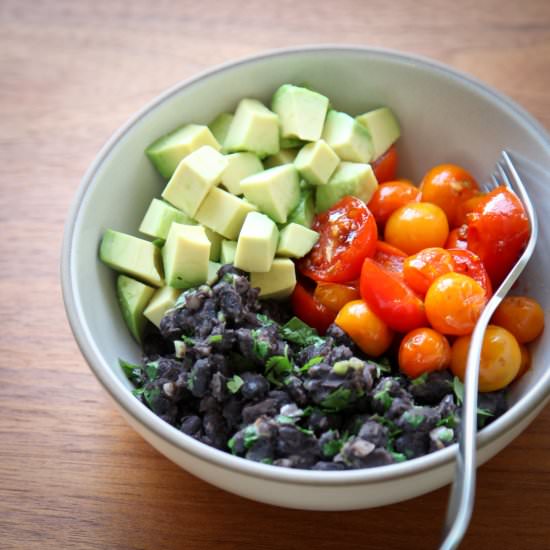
301 112
224 213
254 129
290 143
382 127
350 140
227 253
220 126
185 256
167 152
133 297
163 300
215 244
256 244
213 268
195 175
132 256
350 178
305 210
239 166
295 240
316 162
284 156
159 218
278 283
275 191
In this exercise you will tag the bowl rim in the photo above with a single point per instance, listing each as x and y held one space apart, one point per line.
170 435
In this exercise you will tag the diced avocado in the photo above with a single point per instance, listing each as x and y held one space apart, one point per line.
350 178
220 126
132 256
167 152
284 156
133 297
163 300
290 143
316 162
383 129
195 175
159 217
185 256
254 129
239 166
275 191
278 283
227 253
213 268
301 112
295 241
305 210
215 244
350 140
224 213
256 244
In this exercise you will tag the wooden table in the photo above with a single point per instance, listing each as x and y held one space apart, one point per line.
72 473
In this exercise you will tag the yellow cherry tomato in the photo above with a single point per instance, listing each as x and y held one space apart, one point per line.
522 316
525 361
423 350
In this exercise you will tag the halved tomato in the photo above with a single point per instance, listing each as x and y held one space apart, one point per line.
309 310
385 166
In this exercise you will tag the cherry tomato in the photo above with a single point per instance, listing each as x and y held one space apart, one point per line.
309 310
421 269
389 257
468 263
467 207
447 185
520 315
335 295
499 362
458 237
498 231
347 234
390 298
525 364
454 303
423 350
385 166
365 328
390 196
415 226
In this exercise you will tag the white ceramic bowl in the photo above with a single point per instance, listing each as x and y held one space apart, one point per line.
445 116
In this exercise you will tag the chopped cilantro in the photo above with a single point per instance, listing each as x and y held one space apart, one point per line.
458 388
445 434
277 368
450 421
251 435
337 400
138 391
234 385
283 419
297 332
313 361
231 445
215 338
304 430
261 347
420 380
151 370
398 457
483 416
392 427
266 460
384 395
264 319
412 418
132 372
383 366
188 340
332 448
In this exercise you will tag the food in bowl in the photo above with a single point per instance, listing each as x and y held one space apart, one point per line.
241 374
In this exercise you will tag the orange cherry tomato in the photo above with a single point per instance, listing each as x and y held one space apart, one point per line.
525 364
520 315
389 257
498 231
335 295
468 263
458 237
447 185
390 298
309 310
499 362
415 226
454 303
365 328
421 269
423 350
467 207
390 196
385 166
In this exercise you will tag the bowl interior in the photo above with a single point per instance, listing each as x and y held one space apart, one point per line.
444 118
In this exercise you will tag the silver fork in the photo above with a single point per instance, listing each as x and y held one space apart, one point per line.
461 500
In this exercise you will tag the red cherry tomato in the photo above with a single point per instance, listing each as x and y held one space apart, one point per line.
391 195
421 269
385 166
468 263
498 231
390 298
309 310
389 257
347 235
458 238
335 295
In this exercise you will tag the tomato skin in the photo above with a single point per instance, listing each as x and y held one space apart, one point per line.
499 362
520 315
458 237
365 328
391 195
347 234
423 350
385 166
334 295
389 257
468 263
390 298
498 231
309 310
421 269
447 185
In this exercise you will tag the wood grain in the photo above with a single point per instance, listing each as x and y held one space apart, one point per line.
72 474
